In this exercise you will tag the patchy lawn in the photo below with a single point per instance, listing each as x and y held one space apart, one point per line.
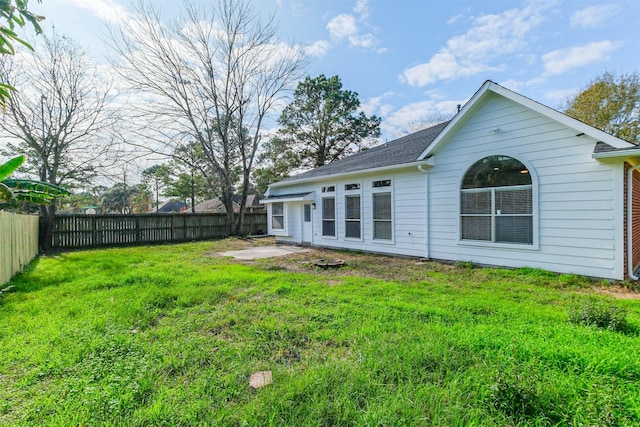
170 335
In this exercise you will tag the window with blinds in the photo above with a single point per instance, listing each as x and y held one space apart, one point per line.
352 216
329 216
496 202
382 225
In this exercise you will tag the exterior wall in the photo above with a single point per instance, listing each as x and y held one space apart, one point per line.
579 200
409 202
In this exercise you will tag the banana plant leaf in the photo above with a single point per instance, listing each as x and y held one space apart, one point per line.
9 167
13 191
28 185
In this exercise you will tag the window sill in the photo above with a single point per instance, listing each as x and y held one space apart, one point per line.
383 242
484 244
329 237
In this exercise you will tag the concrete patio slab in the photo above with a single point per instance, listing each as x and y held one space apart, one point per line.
265 252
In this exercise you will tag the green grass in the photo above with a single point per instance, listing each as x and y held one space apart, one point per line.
169 335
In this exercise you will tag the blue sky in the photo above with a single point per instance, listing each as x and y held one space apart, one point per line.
411 60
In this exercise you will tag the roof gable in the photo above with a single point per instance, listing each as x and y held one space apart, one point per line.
490 87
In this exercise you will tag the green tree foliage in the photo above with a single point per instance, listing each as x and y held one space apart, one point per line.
321 125
13 191
191 175
125 199
15 14
610 103
155 179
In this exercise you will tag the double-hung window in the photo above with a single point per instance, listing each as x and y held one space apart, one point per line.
382 210
277 216
353 227
328 212
496 202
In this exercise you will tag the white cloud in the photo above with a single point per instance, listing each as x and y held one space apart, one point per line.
346 26
374 105
107 10
562 60
362 8
341 26
560 95
318 48
478 50
592 16
366 41
415 115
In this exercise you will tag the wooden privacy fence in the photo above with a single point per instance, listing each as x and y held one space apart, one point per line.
18 243
82 231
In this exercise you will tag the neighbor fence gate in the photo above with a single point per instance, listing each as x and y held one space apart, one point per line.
82 231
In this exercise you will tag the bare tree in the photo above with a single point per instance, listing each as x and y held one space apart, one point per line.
213 76
427 122
59 115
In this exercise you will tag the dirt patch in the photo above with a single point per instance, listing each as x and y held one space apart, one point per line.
620 292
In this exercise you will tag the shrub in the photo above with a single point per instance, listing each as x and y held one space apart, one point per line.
594 312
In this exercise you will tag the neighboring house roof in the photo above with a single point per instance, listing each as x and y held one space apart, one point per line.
170 206
253 200
212 205
397 152
216 205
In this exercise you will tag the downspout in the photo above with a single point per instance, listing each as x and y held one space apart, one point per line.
426 207
630 265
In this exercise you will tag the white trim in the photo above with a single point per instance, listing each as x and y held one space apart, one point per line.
559 117
427 162
426 210
285 220
331 195
383 190
535 245
310 196
352 193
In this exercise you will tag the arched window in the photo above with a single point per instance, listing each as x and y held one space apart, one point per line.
496 202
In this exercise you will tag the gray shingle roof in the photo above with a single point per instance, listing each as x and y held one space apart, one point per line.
399 151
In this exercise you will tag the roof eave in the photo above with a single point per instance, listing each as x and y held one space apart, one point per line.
428 162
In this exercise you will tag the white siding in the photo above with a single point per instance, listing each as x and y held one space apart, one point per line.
409 213
579 199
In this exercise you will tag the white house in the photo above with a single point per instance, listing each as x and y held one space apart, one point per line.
507 182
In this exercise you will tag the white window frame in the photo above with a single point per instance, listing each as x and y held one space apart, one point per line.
353 193
383 190
278 231
327 194
534 207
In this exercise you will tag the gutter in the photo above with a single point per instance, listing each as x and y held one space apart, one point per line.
426 206
427 163
631 152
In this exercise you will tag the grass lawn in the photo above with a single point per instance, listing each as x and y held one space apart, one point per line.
169 335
